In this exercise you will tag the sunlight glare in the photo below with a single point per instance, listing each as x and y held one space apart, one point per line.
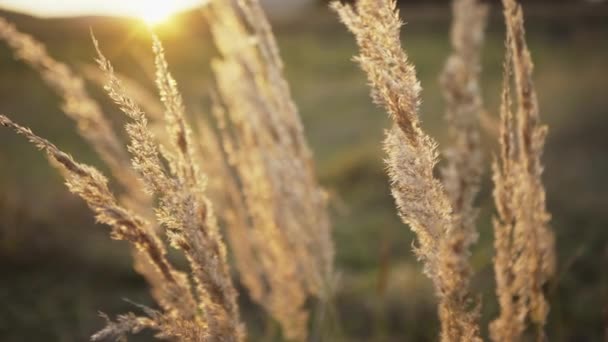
157 14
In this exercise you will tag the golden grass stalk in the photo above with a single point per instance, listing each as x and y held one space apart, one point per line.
422 202
137 91
91 186
461 90
253 58
94 127
525 251
263 138
223 187
181 154
124 325
183 208
228 197
77 104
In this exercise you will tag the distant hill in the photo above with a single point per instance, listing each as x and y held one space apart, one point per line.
53 27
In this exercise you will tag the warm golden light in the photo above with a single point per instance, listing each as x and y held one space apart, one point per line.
153 11
154 19
157 14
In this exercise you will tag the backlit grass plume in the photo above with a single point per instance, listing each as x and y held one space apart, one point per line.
223 187
229 200
461 90
263 186
525 251
183 209
422 202
263 137
93 126
96 129
91 186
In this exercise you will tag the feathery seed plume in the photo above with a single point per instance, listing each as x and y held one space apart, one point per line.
524 243
93 126
262 136
91 186
183 208
461 90
421 200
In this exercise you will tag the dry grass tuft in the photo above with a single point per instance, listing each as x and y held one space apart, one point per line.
91 186
263 181
525 251
422 202
270 200
443 215
263 138
183 209
462 93
93 126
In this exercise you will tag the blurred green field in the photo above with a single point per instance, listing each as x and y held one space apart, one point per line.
57 269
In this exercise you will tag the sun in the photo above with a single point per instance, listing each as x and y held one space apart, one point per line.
157 14
155 18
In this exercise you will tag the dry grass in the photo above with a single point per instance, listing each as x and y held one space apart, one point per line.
264 141
442 213
92 187
282 247
182 209
525 251
92 124
256 172
421 199
461 90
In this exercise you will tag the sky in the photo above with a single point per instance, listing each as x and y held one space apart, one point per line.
135 8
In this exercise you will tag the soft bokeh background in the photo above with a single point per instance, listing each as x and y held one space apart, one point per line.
58 269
